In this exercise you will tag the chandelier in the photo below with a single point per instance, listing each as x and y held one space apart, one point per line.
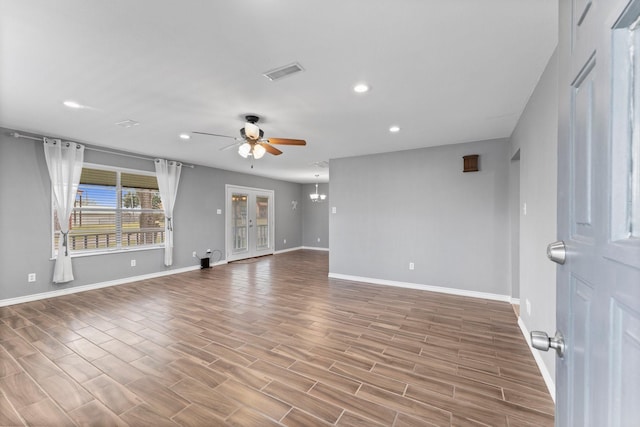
316 197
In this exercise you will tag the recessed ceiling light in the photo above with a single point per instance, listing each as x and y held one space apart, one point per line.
394 129
72 104
185 136
361 88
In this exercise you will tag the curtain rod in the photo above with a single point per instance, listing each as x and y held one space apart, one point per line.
19 135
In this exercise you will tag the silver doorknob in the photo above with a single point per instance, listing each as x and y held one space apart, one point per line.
557 252
541 341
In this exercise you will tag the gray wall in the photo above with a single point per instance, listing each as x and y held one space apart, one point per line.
536 136
514 217
315 222
418 206
25 220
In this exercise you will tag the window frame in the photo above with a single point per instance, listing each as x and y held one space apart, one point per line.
118 220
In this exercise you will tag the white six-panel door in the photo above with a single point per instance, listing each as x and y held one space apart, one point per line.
598 287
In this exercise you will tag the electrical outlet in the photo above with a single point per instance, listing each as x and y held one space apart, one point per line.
219 211
411 266
524 209
334 210
195 255
133 263
208 251
31 277
318 240
285 241
528 304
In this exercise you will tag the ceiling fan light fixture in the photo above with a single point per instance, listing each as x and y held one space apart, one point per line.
244 150
252 142
258 151
252 130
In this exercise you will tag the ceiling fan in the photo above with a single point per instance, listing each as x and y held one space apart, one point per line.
252 141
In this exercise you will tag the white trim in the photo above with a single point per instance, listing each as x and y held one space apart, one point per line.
443 290
298 248
546 375
315 248
82 253
515 301
282 251
83 288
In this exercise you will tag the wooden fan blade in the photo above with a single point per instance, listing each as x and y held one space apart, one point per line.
287 141
270 149
215 134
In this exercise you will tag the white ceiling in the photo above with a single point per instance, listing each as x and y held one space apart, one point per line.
445 71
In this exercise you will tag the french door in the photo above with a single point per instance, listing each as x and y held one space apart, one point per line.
249 222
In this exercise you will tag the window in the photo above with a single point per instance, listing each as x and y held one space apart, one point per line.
114 209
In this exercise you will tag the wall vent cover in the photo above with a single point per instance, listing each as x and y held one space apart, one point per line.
282 72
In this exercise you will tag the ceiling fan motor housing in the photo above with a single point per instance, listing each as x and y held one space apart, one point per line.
244 134
251 129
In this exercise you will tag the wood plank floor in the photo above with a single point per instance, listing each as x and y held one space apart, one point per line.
268 342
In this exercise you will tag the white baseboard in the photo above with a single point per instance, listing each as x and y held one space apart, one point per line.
546 375
284 251
515 301
83 288
297 248
443 290
315 248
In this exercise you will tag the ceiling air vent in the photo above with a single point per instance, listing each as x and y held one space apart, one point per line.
128 123
321 164
282 72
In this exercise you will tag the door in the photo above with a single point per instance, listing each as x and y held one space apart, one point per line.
250 219
598 287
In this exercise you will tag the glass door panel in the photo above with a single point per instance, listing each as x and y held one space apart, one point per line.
239 225
262 223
